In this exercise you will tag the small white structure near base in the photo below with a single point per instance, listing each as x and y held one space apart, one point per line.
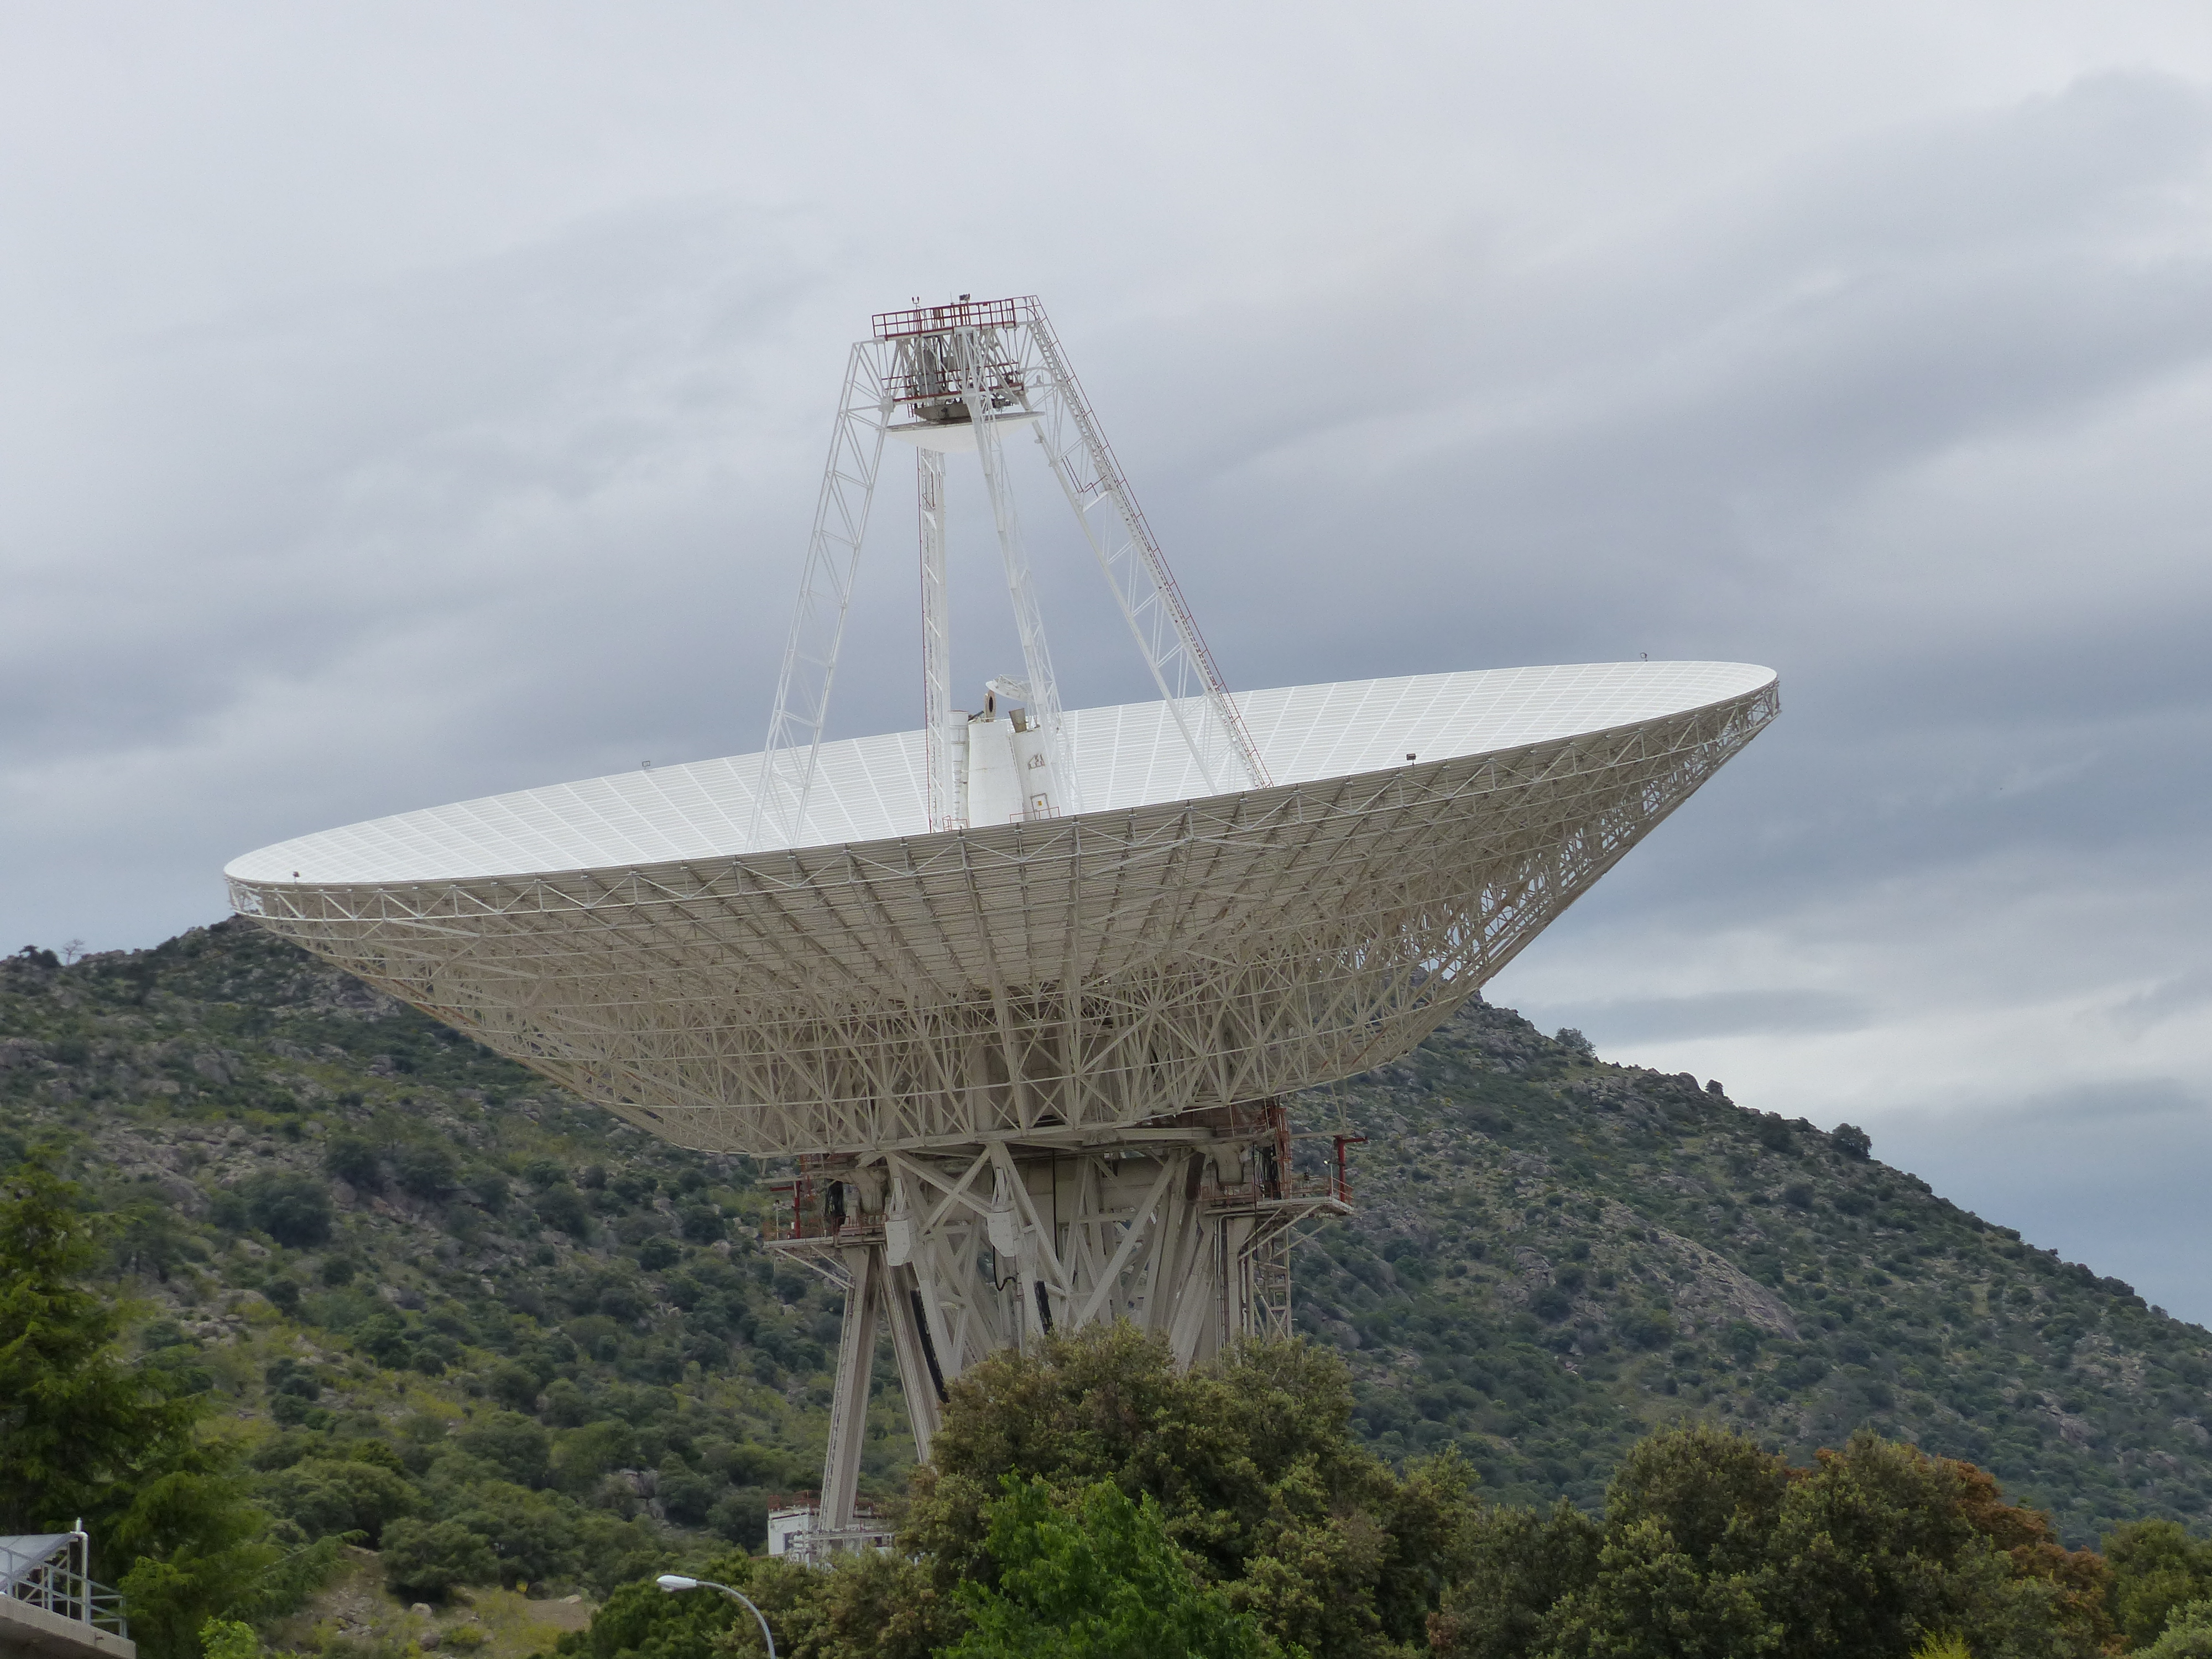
50 1608
795 1532
787 1527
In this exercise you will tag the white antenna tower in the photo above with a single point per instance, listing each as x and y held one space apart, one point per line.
966 376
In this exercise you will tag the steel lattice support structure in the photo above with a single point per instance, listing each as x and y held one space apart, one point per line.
825 597
1182 1228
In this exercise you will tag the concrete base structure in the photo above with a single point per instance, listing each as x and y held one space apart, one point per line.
32 1632
51 1608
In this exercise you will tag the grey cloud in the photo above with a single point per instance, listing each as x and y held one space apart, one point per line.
2112 1175
2174 997
484 441
1611 1025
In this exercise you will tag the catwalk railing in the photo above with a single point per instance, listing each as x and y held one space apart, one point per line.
48 1570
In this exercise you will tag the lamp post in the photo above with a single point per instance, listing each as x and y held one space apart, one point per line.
672 1582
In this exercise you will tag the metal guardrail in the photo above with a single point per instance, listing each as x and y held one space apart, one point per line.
48 1570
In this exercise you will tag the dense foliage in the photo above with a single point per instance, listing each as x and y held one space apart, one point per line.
1091 1500
2157 1570
463 1318
1709 1545
85 1435
1094 1578
1250 1462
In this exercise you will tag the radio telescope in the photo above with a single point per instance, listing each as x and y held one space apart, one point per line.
1023 991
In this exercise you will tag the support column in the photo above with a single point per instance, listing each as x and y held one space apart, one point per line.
922 1369
849 1402
947 811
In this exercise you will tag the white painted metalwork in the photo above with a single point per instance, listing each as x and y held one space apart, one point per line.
1181 1228
825 597
1166 633
886 986
956 379
1023 992
983 369
947 761
51 1571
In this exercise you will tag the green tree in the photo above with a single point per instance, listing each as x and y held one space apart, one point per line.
1519 1565
1250 1459
81 1429
228 1638
1101 1580
2156 1568
428 1559
868 1606
517 1446
534 1536
84 1433
2188 1634
292 1208
1710 1547
326 1496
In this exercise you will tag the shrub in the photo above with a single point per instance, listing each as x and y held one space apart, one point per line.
292 1208
1099 1578
2156 1568
514 1445
354 1161
327 1496
1709 1545
561 1208
424 1170
513 1386
2188 1634
742 1517
700 1223
427 1559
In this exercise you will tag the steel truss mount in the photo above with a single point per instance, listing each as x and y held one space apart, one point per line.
1182 1228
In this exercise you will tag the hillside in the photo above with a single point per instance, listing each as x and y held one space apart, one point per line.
389 1250
1554 1254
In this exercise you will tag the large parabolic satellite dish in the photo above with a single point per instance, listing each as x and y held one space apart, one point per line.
1022 992
878 984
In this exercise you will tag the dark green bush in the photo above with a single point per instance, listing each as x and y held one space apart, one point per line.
428 1559
292 1208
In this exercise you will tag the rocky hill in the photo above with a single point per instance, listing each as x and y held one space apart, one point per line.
1554 1254
391 1251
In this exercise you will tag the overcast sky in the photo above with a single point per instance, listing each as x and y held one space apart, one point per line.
406 402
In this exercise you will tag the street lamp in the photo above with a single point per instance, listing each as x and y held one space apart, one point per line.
673 1582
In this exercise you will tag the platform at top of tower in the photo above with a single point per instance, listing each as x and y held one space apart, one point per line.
873 788
947 315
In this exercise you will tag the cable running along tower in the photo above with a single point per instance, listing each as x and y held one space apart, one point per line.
1022 993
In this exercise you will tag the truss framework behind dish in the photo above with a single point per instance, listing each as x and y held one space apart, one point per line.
1049 978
